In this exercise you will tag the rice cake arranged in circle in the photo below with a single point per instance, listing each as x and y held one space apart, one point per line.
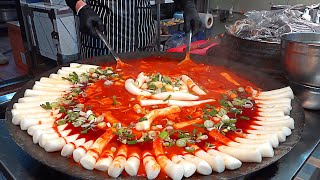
155 119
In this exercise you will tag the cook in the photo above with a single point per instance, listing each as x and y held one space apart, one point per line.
128 24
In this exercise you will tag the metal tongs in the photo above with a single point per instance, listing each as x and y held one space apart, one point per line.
104 39
187 58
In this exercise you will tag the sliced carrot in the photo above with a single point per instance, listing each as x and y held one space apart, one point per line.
219 137
158 147
233 95
98 146
109 117
106 101
162 159
186 123
229 78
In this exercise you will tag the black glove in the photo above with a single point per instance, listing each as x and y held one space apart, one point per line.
191 17
89 20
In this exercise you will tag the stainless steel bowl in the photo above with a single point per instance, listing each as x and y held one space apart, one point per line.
308 95
300 54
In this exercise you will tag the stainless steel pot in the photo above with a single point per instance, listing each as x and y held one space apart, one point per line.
300 54
308 95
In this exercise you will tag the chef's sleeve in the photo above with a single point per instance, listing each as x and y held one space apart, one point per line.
72 5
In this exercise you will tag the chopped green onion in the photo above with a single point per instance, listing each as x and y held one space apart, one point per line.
80 106
74 94
181 142
54 104
62 109
189 149
223 102
208 124
194 132
77 123
85 131
88 108
153 86
235 111
208 144
166 80
230 104
226 120
47 105
198 125
164 135
189 117
92 70
222 112
241 89
115 102
224 96
143 119
205 117
61 122
245 117
91 117
232 121
167 98
212 113
183 135
99 71
163 89
209 106
238 102
132 142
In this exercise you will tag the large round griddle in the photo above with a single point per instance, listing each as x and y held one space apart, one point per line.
67 165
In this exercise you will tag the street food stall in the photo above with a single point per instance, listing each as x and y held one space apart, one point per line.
238 104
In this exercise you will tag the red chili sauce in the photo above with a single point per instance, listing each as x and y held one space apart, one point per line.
99 98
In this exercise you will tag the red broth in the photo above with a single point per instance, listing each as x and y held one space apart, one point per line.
99 98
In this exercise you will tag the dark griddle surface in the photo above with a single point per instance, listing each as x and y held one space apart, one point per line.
64 165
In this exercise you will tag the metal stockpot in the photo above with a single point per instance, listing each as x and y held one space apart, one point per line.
300 54
309 96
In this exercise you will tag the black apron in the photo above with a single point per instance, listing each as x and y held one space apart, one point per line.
129 27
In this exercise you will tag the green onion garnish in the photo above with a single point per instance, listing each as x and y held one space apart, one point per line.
164 135
167 98
47 105
132 142
143 119
245 117
189 149
181 142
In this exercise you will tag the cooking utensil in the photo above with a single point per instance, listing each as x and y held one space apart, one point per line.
210 41
188 48
105 41
309 96
67 166
300 54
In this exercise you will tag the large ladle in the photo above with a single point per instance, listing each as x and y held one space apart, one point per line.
104 39
187 58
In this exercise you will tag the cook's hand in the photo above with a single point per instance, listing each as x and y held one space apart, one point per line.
89 20
191 17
